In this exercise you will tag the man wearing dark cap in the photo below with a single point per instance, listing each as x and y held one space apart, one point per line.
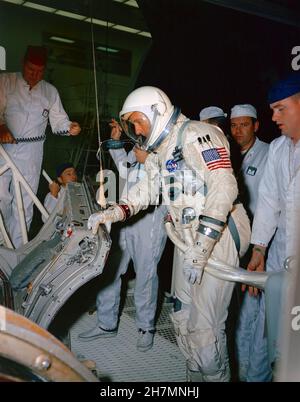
65 173
278 207
27 102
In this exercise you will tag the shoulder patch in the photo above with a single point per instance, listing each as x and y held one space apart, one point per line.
216 158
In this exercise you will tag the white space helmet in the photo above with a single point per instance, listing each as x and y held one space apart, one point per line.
156 106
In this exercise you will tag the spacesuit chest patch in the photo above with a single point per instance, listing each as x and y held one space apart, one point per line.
251 170
171 165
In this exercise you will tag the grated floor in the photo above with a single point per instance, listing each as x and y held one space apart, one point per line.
118 360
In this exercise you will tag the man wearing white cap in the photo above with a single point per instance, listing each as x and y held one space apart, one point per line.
213 115
278 204
244 125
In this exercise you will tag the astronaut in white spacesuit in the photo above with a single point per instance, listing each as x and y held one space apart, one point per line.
190 164
27 102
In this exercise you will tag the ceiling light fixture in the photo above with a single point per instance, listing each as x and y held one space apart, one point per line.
70 15
84 18
99 22
60 39
107 49
131 3
124 28
14 1
38 7
146 34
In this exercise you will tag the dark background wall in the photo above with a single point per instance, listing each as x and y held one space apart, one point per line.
204 54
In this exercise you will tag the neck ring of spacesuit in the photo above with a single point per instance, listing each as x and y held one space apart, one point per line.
165 132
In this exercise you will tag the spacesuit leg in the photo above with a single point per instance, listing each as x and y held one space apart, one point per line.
181 311
108 299
206 328
146 248
200 330
208 314
209 306
182 289
200 323
179 317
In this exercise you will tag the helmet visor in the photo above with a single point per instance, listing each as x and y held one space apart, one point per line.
136 126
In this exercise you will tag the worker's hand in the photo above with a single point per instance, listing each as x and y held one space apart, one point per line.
196 258
116 130
74 128
140 154
112 214
6 136
54 188
257 263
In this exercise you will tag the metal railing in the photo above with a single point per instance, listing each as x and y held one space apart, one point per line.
18 180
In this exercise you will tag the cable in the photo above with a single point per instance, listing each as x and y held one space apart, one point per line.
101 198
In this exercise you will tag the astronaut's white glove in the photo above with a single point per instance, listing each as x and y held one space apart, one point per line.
196 258
114 213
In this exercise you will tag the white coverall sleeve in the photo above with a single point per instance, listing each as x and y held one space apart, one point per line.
146 191
58 118
50 203
221 184
3 92
267 210
119 156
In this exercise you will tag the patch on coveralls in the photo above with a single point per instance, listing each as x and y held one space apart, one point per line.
251 170
45 113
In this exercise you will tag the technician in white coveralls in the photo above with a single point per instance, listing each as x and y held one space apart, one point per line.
190 161
141 240
65 173
251 349
26 104
278 204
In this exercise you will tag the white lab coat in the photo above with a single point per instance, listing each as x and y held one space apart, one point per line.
26 113
277 209
251 344
200 323
278 203
252 169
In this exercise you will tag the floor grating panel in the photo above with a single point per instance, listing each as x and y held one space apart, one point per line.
118 360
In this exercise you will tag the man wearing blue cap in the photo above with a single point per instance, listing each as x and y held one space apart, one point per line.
65 173
27 103
277 206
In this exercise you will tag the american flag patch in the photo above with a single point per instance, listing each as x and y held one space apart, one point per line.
216 158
